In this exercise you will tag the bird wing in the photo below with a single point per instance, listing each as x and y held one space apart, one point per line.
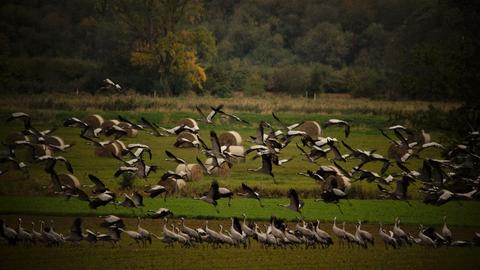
293 196
152 127
74 121
278 120
348 147
344 172
303 151
96 181
200 112
67 163
247 189
213 193
137 199
204 168
215 142
259 138
172 156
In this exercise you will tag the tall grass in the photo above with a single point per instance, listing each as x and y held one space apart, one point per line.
325 103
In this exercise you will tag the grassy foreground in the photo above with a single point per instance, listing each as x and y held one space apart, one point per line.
371 211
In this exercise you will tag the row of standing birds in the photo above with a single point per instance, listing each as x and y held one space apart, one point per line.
456 177
276 234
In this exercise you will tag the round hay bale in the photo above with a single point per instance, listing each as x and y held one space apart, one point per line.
181 184
109 123
173 185
336 181
237 150
224 169
16 136
94 120
108 150
54 140
230 138
312 128
132 133
69 179
189 122
194 171
188 136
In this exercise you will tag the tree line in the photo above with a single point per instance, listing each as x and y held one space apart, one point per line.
397 49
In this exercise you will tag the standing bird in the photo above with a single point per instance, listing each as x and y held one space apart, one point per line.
23 236
364 236
388 240
399 234
295 203
134 235
424 239
340 233
446 233
189 231
250 193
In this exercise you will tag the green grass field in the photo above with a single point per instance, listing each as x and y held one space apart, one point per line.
371 211
31 198
364 135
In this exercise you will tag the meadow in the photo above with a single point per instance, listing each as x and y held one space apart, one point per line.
31 198
364 135
370 211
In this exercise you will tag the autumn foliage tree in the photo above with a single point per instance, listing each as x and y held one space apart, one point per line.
167 41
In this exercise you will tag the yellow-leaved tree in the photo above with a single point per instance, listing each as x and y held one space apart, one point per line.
168 42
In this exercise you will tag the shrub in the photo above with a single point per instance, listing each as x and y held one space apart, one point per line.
365 82
293 79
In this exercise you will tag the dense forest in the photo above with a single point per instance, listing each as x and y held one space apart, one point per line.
397 49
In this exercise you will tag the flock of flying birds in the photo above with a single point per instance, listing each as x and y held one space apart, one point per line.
457 176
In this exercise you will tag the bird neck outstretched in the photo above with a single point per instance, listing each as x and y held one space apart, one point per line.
138 222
